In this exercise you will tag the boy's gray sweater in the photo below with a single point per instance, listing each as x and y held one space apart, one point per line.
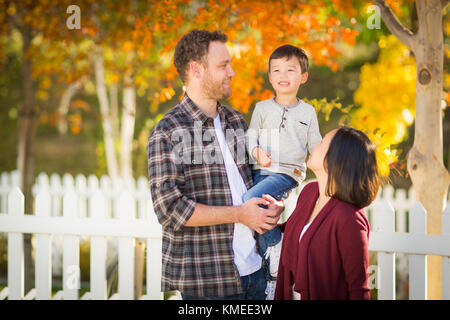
287 132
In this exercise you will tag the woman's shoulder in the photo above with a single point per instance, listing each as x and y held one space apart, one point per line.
311 186
346 213
308 190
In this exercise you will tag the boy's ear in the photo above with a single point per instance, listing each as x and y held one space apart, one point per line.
304 77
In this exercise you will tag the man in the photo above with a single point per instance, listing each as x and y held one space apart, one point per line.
197 179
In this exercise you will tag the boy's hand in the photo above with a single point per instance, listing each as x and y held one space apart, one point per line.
263 157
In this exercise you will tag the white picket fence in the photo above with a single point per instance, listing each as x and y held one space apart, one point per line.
96 210
74 211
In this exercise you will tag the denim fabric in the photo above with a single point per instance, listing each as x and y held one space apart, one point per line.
254 286
277 185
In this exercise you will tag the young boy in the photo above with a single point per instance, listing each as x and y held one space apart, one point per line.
281 132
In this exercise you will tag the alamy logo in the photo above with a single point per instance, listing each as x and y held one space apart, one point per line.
374 20
74 20
199 145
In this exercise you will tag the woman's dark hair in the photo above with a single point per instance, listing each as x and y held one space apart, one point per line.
287 51
194 46
352 168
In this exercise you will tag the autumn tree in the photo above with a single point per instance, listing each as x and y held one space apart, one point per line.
55 56
429 176
386 100
26 17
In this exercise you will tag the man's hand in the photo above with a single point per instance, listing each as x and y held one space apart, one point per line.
260 219
274 204
263 157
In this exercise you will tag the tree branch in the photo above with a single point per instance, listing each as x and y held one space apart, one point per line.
444 3
395 26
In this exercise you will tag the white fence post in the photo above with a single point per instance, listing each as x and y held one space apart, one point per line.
417 263
127 211
446 260
71 251
98 249
81 190
154 262
43 265
401 207
385 222
15 248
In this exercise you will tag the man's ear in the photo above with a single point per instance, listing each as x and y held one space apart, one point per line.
304 77
195 69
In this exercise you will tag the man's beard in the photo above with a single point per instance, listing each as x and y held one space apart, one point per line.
214 89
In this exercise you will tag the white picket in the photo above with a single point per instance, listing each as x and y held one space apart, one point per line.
106 187
127 211
56 191
92 184
68 182
15 248
446 259
417 263
385 222
71 251
81 190
43 265
154 269
154 262
97 209
401 210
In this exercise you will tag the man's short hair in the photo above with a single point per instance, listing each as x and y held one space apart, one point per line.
287 51
352 169
193 46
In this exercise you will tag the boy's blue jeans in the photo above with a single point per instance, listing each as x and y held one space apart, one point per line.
277 185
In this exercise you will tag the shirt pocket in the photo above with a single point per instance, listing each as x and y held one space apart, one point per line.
300 127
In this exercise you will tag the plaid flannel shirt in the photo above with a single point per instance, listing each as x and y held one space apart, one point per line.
198 261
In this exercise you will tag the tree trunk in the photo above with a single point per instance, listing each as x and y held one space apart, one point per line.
108 135
429 176
25 157
64 105
114 98
127 130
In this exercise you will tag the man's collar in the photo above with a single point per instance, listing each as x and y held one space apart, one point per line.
198 115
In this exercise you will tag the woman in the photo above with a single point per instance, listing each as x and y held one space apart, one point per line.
325 246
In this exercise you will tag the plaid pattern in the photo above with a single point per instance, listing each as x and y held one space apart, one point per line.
197 261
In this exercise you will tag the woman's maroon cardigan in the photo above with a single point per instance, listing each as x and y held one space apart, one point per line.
332 258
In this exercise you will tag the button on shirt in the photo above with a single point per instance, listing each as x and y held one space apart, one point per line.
197 261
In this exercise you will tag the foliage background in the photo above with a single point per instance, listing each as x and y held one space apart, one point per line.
364 74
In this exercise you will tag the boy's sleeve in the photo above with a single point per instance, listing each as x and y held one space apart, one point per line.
252 134
313 132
